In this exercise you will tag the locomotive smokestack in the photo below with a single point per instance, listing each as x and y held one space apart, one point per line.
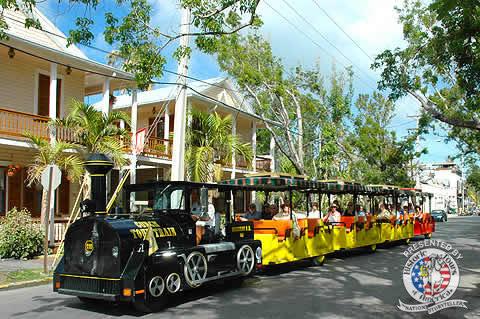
98 165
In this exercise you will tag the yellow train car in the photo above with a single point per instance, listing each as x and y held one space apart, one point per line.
297 227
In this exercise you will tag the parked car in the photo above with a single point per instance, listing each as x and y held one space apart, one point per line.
439 215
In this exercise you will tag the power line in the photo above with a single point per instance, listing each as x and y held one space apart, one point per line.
315 43
119 56
343 30
326 39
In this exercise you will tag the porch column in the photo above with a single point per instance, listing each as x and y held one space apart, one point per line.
52 102
272 154
234 133
52 112
254 145
106 95
254 159
166 129
133 158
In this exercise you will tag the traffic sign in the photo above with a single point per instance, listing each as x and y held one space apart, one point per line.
56 177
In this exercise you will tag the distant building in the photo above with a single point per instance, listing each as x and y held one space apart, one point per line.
444 181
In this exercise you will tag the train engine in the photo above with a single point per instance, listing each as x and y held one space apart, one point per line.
167 237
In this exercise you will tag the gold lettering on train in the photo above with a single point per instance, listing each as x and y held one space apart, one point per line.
237 229
158 232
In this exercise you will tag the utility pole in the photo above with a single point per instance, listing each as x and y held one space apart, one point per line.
463 185
417 149
180 117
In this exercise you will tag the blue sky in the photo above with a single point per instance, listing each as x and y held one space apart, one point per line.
371 23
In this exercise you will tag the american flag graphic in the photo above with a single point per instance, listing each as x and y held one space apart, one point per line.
422 274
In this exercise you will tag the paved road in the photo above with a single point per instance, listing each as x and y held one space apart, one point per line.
354 285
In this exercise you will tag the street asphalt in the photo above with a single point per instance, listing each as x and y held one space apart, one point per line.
355 284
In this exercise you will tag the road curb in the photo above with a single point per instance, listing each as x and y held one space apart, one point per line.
23 284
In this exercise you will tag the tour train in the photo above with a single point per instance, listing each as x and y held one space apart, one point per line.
172 236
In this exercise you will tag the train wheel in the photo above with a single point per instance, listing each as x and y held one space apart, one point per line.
195 269
173 283
155 300
245 260
319 260
373 248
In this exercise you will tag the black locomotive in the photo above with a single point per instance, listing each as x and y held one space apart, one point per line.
168 237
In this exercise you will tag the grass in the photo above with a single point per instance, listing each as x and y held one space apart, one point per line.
21 275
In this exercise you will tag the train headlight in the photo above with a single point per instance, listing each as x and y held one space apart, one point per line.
115 251
258 254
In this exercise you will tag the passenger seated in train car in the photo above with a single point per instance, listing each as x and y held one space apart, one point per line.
266 211
284 213
273 210
349 211
411 209
360 211
251 213
333 216
418 212
383 213
315 212
337 205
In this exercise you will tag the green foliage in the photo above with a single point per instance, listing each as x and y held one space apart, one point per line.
95 131
139 43
306 120
473 178
380 158
440 66
49 154
209 144
20 237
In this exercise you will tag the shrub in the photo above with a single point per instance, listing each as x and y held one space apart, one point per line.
20 237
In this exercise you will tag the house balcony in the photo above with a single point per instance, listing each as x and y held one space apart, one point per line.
262 164
14 124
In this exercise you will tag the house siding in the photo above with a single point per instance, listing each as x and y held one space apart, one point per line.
17 82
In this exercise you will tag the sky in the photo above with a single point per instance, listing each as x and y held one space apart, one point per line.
300 32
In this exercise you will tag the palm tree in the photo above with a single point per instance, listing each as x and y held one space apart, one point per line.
49 154
96 132
210 143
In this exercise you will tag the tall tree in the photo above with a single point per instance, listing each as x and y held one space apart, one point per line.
210 144
440 66
379 156
139 42
291 103
274 96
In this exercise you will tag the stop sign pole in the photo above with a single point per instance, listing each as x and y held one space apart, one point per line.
51 178
45 242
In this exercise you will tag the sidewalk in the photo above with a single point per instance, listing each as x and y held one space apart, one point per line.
15 273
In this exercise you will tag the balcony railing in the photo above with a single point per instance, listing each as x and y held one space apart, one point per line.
263 164
158 147
14 123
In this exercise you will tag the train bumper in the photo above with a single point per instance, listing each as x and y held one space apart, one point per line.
109 289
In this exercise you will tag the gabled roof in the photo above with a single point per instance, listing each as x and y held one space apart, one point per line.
50 44
209 87
49 36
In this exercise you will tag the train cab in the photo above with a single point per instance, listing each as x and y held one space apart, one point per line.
164 238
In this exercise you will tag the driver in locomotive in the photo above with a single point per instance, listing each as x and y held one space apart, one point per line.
204 220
